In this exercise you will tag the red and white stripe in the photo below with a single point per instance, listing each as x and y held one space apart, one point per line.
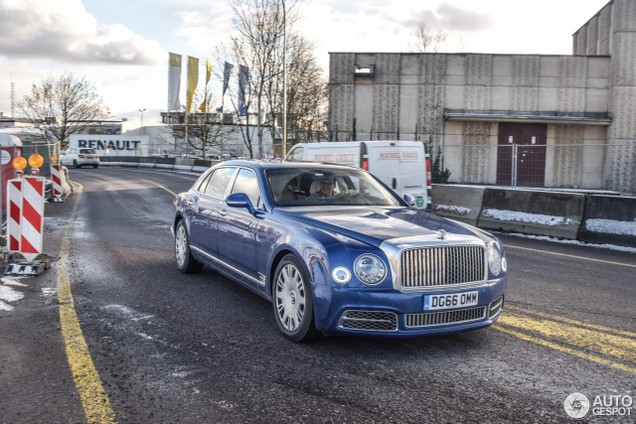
57 180
14 206
32 223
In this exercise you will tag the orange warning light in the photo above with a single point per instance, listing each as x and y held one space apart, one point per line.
53 158
36 160
19 163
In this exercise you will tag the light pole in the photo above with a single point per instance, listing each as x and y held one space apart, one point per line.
142 120
284 81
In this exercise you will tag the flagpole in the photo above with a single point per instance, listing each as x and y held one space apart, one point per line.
284 81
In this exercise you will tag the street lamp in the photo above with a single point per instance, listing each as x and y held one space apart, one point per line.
284 81
142 120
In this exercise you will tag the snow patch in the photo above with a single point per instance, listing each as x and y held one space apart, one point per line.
453 209
8 294
530 218
611 226
7 281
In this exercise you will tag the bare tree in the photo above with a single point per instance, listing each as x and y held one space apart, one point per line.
307 92
426 40
59 107
258 45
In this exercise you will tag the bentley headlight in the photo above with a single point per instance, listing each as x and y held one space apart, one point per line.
369 269
495 262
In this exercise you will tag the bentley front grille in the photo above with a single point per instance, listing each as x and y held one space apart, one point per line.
442 266
431 319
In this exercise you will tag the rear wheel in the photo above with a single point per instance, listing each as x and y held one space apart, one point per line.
185 261
76 164
293 301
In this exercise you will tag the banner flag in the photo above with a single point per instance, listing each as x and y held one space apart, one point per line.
208 70
244 76
227 71
193 79
174 81
208 74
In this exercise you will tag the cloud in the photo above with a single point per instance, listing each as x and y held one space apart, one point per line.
63 31
453 18
450 18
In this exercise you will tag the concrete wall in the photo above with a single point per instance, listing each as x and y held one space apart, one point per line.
590 218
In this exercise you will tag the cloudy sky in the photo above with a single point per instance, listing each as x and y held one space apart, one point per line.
121 46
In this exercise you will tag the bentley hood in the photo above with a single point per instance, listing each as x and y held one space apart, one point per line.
382 224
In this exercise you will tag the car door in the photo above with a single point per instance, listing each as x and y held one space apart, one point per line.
237 229
205 210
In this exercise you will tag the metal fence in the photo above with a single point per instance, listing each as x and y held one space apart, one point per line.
578 166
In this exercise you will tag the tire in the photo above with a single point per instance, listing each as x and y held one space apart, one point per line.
95 166
185 261
293 301
76 164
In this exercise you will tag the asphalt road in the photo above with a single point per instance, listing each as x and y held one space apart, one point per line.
112 332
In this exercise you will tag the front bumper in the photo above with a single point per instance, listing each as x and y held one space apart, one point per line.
400 314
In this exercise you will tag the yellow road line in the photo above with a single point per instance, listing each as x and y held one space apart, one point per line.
568 350
508 246
609 330
160 186
87 381
604 344
595 343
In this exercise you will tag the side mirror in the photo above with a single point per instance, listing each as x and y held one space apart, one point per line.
410 199
240 200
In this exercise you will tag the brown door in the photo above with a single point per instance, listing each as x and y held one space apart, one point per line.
528 142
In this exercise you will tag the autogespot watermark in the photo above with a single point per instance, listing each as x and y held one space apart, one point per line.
577 405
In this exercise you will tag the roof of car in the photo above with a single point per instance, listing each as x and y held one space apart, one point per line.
278 165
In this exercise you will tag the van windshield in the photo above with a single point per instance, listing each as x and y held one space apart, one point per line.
329 186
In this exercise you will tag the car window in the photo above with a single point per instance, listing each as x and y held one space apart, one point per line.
247 183
218 182
88 151
296 154
316 186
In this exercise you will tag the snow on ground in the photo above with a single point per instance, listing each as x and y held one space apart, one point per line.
611 226
574 242
453 209
9 294
530 218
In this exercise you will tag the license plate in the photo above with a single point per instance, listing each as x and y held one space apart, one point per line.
436 302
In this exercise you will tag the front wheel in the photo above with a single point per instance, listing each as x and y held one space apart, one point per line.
185 261
293 301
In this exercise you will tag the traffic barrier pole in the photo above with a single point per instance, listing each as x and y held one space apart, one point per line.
32 222
14 211
56 176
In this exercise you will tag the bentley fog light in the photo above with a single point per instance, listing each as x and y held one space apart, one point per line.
494 259
369 269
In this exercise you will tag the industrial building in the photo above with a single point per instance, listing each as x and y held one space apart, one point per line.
558 121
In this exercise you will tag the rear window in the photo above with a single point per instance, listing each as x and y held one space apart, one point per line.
88 151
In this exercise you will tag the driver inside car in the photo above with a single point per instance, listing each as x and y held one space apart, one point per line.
326 187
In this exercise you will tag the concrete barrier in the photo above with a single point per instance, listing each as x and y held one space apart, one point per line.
460 202
533 212
610 219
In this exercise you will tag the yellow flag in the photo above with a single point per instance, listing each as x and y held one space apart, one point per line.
208 70
193 80
208 74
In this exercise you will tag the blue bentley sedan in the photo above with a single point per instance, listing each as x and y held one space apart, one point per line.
337 252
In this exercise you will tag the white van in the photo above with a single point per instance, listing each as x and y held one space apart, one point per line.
403 166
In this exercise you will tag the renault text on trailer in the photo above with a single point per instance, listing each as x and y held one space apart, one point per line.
404 166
